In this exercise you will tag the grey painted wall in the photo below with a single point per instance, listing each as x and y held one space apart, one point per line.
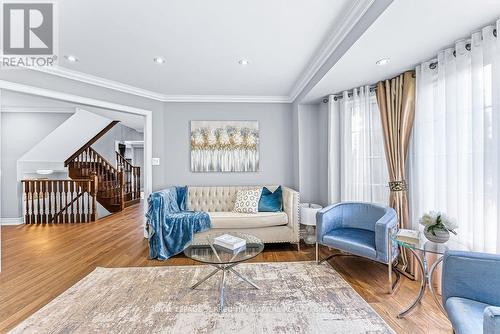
19 132
313 149
276 156
278 129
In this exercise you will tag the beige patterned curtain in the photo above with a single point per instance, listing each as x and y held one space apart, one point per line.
396 101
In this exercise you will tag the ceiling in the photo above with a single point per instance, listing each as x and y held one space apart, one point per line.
202 42
408 32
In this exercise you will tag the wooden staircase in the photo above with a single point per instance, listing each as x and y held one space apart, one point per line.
92 179
118 187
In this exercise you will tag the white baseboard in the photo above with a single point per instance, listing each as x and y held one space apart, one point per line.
11 221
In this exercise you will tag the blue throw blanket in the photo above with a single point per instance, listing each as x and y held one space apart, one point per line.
170 226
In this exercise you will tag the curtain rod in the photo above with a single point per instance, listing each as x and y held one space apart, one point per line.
468 46
432 66
339 96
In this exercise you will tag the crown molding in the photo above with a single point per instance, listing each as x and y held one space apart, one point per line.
33 109
98 81
128 89
357 9
227 98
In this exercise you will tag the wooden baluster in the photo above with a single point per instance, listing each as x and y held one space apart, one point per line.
89 184
54 189
49 197
138 182
66 189
121 190
84 163
77 200
95 184
80 191
60 185
32 194
72 203
129 182
92 159
38 211
59 194
85 201
42 195
25 201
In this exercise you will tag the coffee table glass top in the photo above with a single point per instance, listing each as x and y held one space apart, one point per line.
202 249
426 245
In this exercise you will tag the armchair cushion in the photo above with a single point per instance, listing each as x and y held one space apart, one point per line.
466 315
352 240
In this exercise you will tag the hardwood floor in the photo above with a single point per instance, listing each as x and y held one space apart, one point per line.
40 262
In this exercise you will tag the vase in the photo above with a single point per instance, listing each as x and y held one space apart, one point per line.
439 236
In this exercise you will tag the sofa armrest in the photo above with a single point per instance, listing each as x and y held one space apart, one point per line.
291 200
327 219
491 320
470 275
388 222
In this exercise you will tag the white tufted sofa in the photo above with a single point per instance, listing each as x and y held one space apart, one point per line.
268 226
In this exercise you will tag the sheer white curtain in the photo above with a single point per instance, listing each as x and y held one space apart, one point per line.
455 154
363 169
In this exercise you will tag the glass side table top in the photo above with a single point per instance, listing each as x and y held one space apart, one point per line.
202 249
428 246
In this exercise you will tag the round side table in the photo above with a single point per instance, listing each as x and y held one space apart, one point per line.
308 218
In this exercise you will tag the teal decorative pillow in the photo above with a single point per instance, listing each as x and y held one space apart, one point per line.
271 201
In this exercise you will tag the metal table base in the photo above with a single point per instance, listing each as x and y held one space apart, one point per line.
225 269
426 281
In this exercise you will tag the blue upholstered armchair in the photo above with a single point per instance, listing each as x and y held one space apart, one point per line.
471 291
360 229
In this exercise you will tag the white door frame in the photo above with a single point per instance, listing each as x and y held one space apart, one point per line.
148 118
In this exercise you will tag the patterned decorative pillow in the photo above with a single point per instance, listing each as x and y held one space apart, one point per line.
247 200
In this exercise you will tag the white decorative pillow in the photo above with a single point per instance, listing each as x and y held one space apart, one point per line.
247 200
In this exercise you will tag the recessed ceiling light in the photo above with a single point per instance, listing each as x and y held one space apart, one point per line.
383 61
71 58
159 60
243 62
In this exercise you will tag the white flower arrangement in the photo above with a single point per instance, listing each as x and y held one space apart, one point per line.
435 220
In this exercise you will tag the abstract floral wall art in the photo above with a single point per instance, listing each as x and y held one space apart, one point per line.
224 146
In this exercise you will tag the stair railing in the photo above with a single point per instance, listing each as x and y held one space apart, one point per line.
132 177
90 162
60 201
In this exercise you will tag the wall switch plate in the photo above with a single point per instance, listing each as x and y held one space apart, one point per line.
155 161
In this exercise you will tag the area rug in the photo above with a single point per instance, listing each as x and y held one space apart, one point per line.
297 297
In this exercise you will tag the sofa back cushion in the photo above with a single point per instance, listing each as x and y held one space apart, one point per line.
215 198
361 215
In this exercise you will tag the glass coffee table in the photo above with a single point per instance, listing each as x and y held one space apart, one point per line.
203 250
420 252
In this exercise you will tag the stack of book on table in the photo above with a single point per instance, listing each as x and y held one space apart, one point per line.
230 243
410 237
